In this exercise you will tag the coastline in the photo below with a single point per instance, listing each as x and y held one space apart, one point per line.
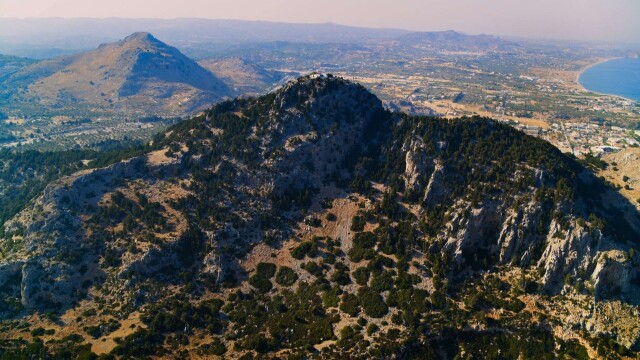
585 68
599 62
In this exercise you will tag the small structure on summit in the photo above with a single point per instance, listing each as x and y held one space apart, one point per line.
318 74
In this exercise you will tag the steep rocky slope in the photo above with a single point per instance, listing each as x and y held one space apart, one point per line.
311 222
123 76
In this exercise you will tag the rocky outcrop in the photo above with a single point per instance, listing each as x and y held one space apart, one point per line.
436 188
520 228
613 273
568 253
49 283
419 166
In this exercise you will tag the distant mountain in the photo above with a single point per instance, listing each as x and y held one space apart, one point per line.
456 41
312 223
139 74
32 37
241 75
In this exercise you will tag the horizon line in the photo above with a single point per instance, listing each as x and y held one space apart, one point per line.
619 42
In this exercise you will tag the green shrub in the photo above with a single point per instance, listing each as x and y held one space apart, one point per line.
349 338
357 223
572 349
372 303
382 281
286 276
307 248
313 222
365 240
361 275
341 274
330 299
379 262
215 347
260 283
439 299
371 329
363 244
313 268
266 270
357 253
37 332
350 304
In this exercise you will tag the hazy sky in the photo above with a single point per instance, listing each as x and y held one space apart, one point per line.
615 20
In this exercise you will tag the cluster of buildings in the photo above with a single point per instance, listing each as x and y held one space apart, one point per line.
581 138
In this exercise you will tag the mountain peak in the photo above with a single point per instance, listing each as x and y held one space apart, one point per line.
140 35
308 90
126 72
141 38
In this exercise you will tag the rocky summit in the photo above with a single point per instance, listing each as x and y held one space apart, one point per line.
312 223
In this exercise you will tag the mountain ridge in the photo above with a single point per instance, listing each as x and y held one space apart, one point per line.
457 41
186 34
436 235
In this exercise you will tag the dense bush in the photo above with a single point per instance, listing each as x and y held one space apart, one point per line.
341 274
307 248
266 270
260 283
286 276
361 275
215 347
313 268
357 223
382 281
372 303
350 304
330 298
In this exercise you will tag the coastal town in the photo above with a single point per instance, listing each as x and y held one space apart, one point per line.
548 103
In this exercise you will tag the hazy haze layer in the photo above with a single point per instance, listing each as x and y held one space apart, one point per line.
613 20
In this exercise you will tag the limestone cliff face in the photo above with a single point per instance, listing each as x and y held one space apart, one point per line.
519 230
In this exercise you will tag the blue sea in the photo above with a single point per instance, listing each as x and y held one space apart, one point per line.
615 77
